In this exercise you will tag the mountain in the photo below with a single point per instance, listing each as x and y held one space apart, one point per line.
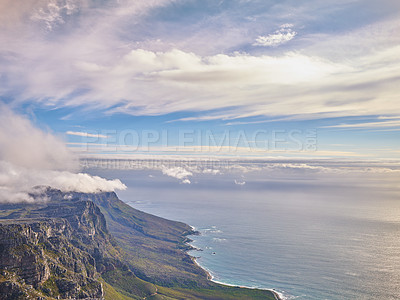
159 257
94 246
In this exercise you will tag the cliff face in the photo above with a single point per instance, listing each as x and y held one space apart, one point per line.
37 257
55 250
61 249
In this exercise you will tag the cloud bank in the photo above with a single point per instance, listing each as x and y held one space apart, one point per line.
93 54
16 183
30 157
23 145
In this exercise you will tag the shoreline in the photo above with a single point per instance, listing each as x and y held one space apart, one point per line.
210 277
277 295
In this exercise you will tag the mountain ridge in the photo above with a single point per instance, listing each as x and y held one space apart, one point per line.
95 246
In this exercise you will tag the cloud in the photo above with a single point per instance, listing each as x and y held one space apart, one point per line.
52 12
178 173
30 157
143 82
240 182
100 59
85 134
16 182
56 12
24 145
191 167
283 35
368 125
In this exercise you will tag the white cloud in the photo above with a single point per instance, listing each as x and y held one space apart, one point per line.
351 74
211 171
178 173
240 182
151 83
24 145
30 157
368 125
17 182
283 35
86 134
54 12
51 13
182 168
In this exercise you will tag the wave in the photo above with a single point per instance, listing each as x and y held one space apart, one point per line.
280 295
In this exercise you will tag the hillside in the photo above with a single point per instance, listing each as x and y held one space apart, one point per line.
94 246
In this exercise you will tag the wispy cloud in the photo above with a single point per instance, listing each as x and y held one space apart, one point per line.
86 134
143 82
368 125
52 12
98 58
283 35
203 152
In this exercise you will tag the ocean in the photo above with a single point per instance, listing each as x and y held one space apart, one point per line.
307 234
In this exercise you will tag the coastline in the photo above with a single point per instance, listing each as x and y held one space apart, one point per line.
277 295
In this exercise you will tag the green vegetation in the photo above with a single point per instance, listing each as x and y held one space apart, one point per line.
68 251
152 245
50 288
153 249
110 293
125 282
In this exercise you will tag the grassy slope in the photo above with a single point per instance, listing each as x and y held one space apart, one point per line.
154 245
154 251
112 294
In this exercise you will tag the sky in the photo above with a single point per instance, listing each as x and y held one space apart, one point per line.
238 78
260 94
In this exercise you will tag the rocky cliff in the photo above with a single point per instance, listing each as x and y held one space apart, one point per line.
55 249
62 247
44 258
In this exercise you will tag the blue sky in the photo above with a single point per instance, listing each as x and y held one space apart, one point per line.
254 76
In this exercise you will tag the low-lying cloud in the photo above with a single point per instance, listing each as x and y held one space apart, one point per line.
30 157
16 183
23 145
177 172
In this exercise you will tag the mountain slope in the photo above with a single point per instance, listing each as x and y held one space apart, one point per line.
60 248
94 246
153 245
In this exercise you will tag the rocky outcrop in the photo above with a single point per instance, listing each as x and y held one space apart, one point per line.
58 250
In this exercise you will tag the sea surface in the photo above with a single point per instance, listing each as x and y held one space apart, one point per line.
307 236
